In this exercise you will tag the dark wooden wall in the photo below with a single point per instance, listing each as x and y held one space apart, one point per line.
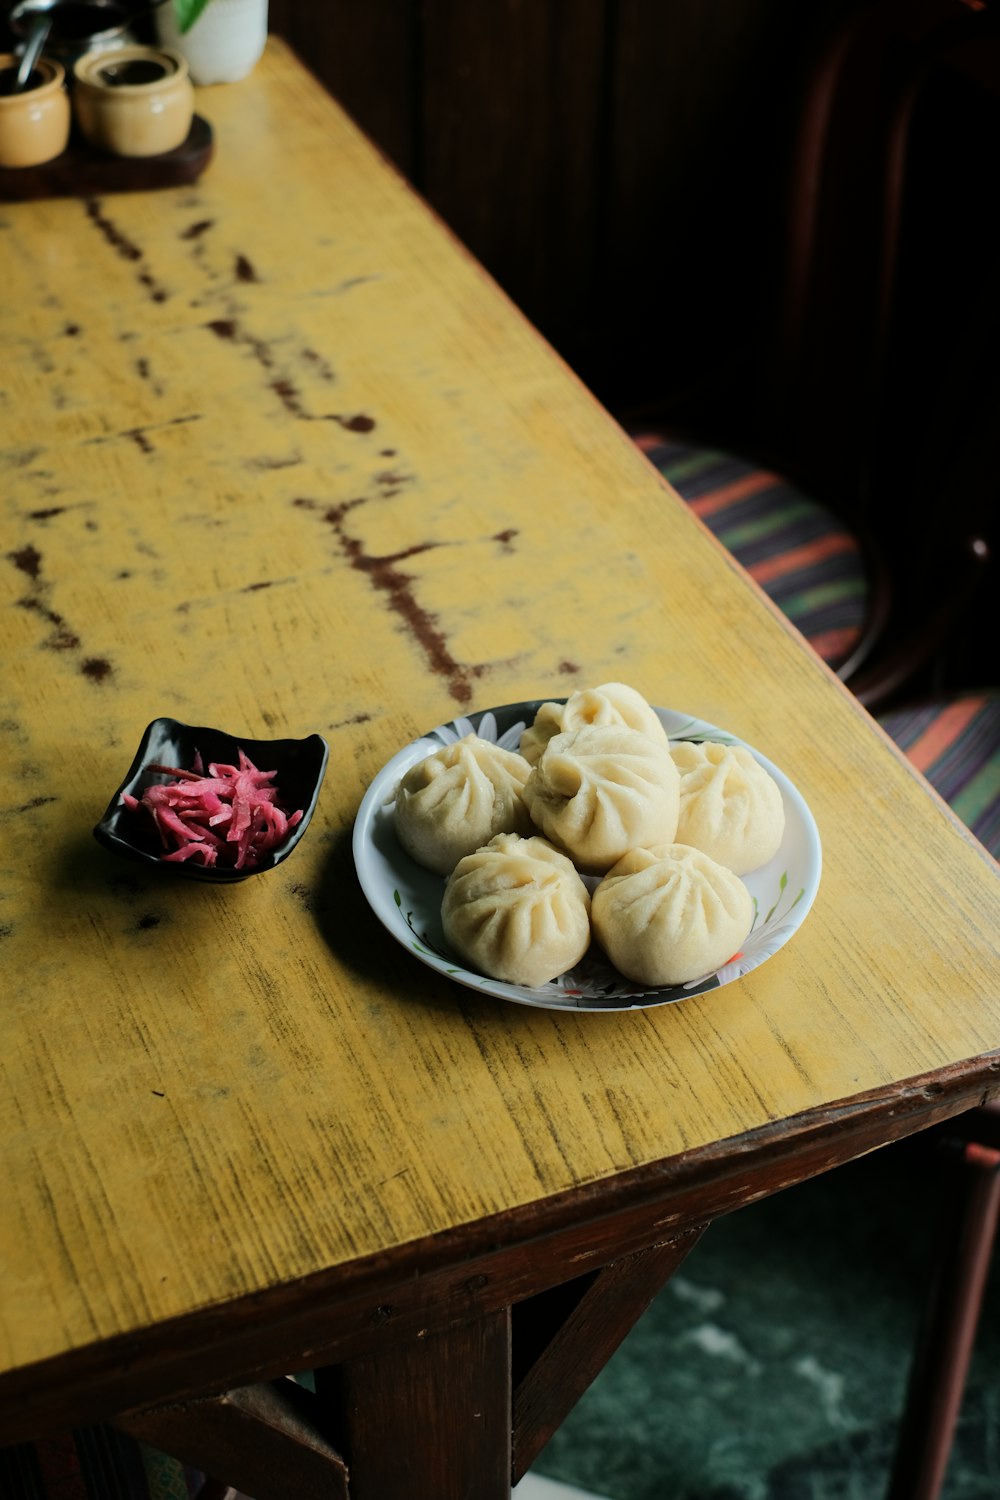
615 164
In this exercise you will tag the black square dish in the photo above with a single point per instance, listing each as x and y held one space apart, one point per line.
299 764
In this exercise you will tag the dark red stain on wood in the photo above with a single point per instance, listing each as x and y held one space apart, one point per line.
123 246
387 453
28 559
360 423
253 588
62 637
71 330
46 515
229 329
336 513
568 667
149 282
385 576
362 718
289 397
223 328
114 236
282 386
196 230
139 436
320 365
506 537
244 270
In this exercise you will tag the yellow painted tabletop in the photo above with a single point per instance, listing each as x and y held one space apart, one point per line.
277 456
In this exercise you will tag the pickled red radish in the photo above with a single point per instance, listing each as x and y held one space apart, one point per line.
229 818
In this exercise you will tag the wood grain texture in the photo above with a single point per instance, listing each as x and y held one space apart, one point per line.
240 1096
449 1435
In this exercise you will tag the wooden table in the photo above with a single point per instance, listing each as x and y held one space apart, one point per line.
279 457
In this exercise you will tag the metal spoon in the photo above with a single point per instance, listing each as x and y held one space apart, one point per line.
33 46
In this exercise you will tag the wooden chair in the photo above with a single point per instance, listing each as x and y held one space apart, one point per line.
850 439
818 570
954 740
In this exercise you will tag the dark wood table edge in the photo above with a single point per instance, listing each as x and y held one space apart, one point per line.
454 1278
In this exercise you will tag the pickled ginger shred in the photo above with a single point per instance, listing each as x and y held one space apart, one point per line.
229 818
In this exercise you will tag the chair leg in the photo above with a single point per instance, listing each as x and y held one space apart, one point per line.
947 1333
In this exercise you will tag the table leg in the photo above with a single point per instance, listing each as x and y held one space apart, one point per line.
451 1414
430 1419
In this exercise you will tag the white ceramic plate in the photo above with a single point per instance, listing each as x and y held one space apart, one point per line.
407 898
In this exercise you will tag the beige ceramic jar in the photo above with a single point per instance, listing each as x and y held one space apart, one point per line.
134 101
34 123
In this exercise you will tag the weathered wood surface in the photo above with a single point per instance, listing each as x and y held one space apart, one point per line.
432 1416
278 456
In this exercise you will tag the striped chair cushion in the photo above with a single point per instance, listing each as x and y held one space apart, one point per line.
795 548
955 742
94 1463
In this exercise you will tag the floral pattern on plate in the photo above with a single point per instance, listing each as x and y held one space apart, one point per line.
407 898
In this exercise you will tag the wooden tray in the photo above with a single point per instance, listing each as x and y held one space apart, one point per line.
84 172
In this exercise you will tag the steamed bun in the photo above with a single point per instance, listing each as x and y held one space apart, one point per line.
670 914
731 808
517 910
455 800
612 703
598 792
547 722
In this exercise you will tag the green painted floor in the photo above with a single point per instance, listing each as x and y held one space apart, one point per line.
773 1366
